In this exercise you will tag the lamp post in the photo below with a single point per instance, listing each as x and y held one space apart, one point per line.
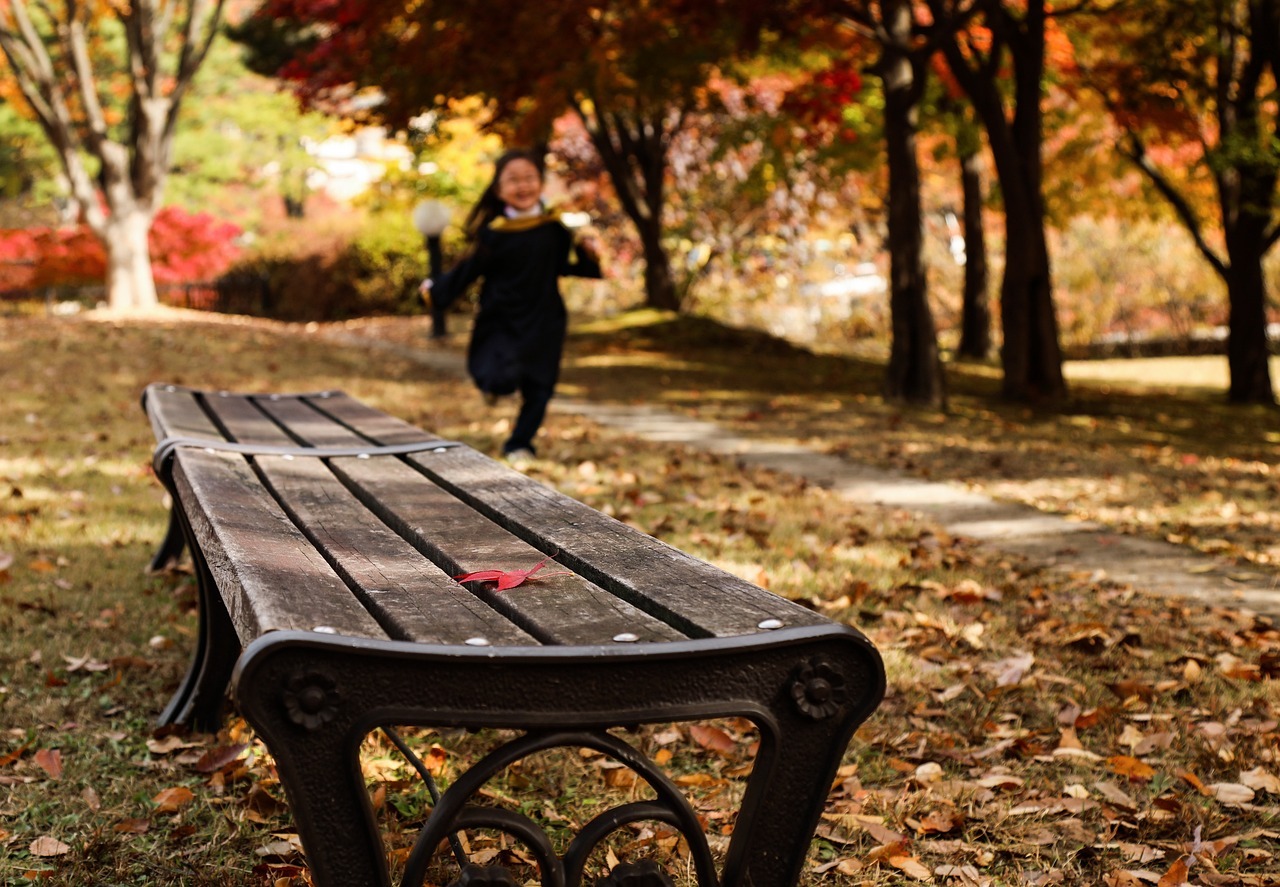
431 217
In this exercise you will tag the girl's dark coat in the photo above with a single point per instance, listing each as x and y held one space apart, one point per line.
520 327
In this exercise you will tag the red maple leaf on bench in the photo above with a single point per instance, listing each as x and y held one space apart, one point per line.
510 578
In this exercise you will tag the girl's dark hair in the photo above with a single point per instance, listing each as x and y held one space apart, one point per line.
490 206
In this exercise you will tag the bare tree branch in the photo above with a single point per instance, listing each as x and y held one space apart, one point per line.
1136 151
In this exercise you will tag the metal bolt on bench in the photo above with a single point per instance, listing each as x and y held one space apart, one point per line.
324 535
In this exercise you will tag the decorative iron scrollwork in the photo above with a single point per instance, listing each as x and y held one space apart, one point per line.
452 812
311 700
817 689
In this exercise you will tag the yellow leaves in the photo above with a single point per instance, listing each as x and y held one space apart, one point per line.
1130 768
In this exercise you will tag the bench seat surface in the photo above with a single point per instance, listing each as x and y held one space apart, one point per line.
365 546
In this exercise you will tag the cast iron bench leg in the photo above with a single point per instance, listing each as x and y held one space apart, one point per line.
171 546
312 701
200 699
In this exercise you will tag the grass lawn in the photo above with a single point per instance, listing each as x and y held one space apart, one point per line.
1177 373
1039 728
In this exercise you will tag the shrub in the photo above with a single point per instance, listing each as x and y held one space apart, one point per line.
338 266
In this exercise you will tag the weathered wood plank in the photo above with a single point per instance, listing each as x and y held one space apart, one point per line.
368 421
411 597
313 421
270 576
558 610
555 609
696 597
693 595
245 421
176 412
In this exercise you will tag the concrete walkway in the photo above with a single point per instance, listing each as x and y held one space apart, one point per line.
1077 547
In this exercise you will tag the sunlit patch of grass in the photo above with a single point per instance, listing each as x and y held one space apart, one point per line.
1169 373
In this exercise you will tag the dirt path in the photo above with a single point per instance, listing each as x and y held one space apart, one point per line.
1076 547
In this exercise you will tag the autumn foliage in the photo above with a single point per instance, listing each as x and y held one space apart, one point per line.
185 247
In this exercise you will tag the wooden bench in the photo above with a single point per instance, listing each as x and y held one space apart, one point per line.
324 535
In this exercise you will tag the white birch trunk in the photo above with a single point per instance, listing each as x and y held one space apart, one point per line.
130 284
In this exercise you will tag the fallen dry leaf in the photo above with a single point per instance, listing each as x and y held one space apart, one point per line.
45 846
912 867
1261 780
1131 768
1231 792
171 800
713 739
939 822
17 753
217 758
1009 672
1176 876
168 744
1114 795
132 827
84 663
50 761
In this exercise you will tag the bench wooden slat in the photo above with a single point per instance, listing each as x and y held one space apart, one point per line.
245 422
407 594
312 419
273 578
698 598
556 610
695 596
368 422
176 412
410 596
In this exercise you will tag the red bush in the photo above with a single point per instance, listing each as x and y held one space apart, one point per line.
185 247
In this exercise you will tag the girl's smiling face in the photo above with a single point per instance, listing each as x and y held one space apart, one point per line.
520 185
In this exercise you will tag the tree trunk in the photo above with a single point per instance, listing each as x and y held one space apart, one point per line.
1245 194
915 366
634 153
975 316
1248 358
1247 353
130 284
1030 353
659 284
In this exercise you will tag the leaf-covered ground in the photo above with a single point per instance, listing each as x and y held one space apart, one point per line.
1039 728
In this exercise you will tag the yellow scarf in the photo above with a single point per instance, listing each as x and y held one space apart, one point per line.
511 226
